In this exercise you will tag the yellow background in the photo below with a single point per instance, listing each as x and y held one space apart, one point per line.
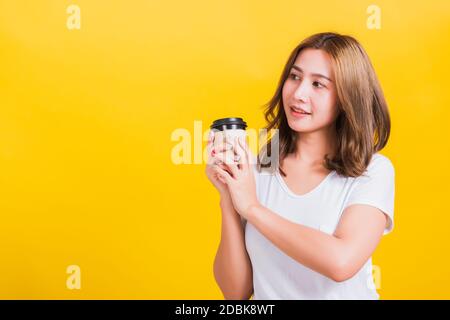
86 118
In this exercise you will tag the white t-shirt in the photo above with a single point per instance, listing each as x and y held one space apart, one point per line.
278 276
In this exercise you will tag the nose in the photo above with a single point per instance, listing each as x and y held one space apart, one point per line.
301 93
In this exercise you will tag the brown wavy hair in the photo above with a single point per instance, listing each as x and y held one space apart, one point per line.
363 124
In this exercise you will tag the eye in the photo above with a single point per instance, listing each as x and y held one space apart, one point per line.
317 84
293 76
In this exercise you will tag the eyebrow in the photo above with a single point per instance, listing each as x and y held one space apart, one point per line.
314 74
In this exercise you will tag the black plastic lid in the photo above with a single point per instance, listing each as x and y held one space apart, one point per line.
229 123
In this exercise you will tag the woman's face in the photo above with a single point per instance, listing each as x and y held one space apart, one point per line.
310 86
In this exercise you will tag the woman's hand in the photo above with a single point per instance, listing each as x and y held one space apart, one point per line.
210 171
241 182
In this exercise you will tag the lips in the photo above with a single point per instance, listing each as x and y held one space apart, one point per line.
299 111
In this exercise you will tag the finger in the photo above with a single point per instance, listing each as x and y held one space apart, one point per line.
244 146
219 159
251 158
211 136
209 146
240 152
234 169
210 153
220 163
213 149
223 167
221 147
225 157
227 163
224 175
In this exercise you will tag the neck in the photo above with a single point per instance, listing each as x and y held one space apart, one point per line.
311 147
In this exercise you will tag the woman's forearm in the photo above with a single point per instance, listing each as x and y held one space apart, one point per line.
312 248
232 266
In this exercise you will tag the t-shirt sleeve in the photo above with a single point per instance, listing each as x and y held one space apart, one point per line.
376 187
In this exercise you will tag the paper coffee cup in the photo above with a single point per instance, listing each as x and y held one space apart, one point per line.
226 130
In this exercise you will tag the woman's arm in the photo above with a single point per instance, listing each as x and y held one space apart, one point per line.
338 256
232 266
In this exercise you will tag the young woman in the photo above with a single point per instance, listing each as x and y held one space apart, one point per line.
314 218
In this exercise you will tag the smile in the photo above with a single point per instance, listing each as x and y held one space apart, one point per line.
299 112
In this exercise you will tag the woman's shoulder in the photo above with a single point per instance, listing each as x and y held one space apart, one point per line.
379 160
379 165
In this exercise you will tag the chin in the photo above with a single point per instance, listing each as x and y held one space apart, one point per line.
297 126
